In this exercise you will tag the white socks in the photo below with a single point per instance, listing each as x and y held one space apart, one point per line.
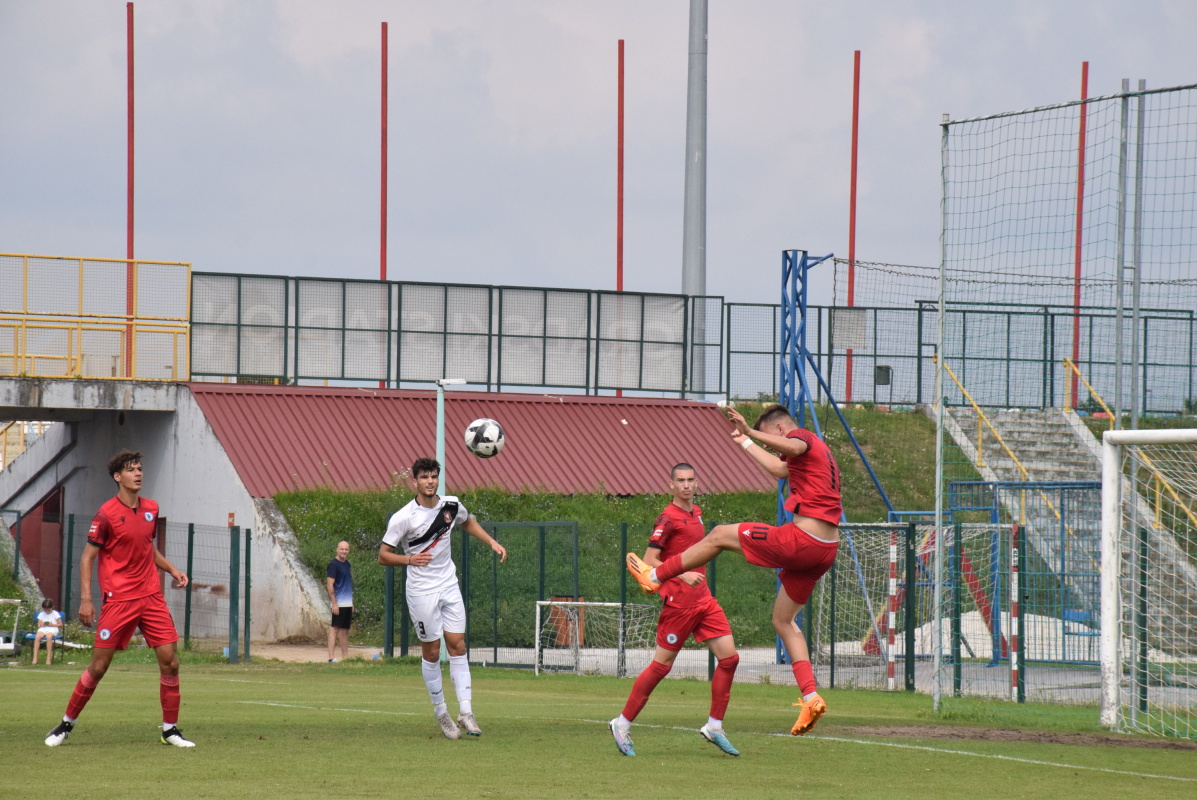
652 576
714 724
622 723
431 671
806 697
459 673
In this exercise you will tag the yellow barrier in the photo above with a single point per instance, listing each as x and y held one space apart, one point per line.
1160 484
95 318
13 437
1022 511
1070 401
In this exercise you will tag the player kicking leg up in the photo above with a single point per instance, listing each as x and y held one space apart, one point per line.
803 550
688 609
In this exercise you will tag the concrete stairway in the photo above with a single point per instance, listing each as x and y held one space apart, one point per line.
1053 446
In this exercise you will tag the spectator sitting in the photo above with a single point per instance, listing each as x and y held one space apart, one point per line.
48 621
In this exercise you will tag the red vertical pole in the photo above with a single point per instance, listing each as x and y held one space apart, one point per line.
852 212
1080 218
619 184
129 271
619 189
382 230
382 226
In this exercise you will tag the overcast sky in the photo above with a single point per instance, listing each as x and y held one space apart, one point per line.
257 128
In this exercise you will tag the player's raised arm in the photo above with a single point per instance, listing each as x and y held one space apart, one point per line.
767 461
778 444
472 527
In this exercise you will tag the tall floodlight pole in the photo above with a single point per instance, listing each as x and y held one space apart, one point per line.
694 223
441 383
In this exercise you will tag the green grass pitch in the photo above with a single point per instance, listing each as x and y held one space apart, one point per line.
365 729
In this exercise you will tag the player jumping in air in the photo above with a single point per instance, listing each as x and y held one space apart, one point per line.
417 537
688 609
121 539
803 549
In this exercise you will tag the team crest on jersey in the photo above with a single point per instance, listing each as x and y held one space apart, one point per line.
149 516
105 634
671 638
448 517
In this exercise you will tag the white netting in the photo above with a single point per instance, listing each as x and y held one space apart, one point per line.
594 638
1155 596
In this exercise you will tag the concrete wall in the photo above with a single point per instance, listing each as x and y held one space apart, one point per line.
193 480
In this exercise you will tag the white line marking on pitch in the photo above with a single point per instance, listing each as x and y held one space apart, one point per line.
326 708
928 749
995 756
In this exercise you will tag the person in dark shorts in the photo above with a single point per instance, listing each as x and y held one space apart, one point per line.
803 550
340 595
121 540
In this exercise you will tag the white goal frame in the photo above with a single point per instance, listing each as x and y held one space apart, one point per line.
621 643
1111 553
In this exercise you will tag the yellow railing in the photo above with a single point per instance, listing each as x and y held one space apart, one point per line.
1160 484
1022 497
94 318
982 420
1070 401
14 435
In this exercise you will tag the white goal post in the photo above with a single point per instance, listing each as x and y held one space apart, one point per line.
593 638
1149 581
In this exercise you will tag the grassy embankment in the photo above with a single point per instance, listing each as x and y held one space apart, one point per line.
899 445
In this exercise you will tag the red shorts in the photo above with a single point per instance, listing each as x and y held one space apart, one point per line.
705 621
801 557
118 620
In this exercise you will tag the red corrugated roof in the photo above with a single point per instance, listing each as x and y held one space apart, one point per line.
282 438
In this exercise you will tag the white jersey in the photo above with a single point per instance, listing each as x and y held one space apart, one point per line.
416 529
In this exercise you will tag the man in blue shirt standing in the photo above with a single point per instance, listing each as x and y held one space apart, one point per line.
340 594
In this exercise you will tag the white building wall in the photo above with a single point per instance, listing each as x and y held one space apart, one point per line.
191 477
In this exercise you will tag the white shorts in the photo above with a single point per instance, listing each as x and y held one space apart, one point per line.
51 631
433 614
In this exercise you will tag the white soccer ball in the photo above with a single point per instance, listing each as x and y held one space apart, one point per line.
484 438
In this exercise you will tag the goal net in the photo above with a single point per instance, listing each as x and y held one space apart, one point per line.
594 638
1149 581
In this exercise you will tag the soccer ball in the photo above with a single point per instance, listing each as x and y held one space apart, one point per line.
484 438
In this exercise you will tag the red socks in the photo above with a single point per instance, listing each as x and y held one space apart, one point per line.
643 687
168 693
671 568
721 684
804 673
83 690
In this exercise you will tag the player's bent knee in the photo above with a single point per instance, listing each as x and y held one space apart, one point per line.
724 535
729 662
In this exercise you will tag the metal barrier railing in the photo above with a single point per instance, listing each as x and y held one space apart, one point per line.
981 418
94 318
1160 484
93 348
1070 401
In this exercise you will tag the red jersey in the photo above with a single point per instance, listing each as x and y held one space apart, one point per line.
673 532
814 480
125 537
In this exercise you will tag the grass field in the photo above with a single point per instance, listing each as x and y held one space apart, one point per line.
365 729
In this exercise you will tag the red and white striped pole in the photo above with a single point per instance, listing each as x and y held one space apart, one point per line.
892 621
1015 616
